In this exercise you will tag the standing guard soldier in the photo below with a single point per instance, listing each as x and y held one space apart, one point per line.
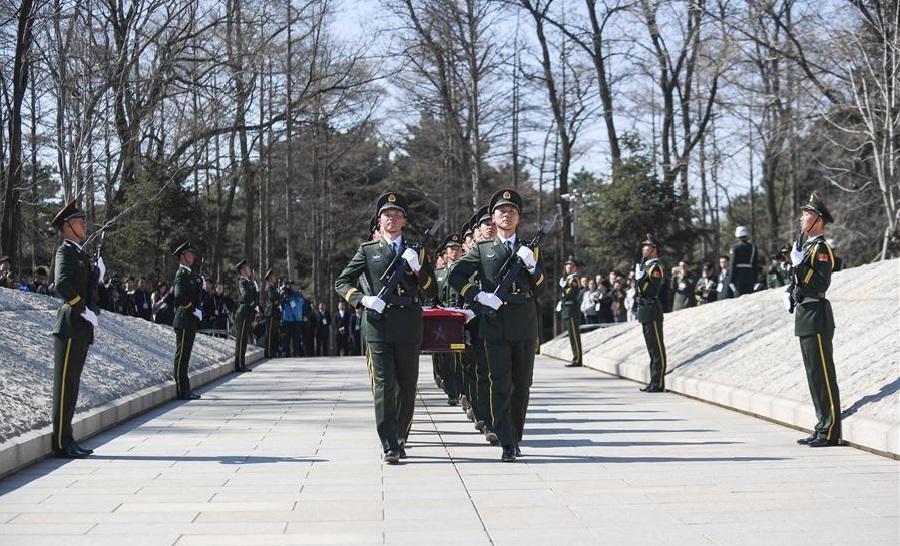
814 321
392 329
570 309
188 317
73 333
508 330
744 263
271 314
248 306
649 280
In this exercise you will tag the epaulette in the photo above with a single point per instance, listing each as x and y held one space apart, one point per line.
367 243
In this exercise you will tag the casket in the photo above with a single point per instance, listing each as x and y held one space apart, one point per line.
443 330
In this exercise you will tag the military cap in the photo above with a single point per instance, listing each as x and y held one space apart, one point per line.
451 240
241 264
66 213
572 261
184 247
649 239
269 273
482 215
742 231
785 249
817 204
40 270
506 197
390 200
466 228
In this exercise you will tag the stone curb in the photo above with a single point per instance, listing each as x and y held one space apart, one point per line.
861 432
31 447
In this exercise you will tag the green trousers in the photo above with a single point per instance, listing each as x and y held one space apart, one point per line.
574 331
271 336
393 372
242 331
184 344
656 347
820 374
510 372
69 354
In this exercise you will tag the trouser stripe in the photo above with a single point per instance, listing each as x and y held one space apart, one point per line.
827 386
62 394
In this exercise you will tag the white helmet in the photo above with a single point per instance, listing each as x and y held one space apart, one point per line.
832 243
741 231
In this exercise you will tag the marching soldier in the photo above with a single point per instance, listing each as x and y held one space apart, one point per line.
509 329
271 313
188 317
744 262
649 280
483 230
248 306
570 309
392 325
447 365
73 333
814 322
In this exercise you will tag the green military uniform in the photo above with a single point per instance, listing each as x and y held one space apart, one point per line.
72 333
510 334
743 266
779 272
684 286
570 311
271 315
649 313
248 305
188 287
394 336
814 325
477 357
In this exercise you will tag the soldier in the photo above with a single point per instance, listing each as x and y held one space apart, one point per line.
814 321
446 364
649 280
73 333
570 310
744 263
392 328
509 329
188 317
779 274
483 229
248 307
271 313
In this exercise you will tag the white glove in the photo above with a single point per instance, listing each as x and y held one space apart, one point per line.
468 313
638 272
527 256
90 316
373 302
732 287
559 307
489 299
796 256
163 306
256 309
786 301
198 313
563 282
101 266
412 258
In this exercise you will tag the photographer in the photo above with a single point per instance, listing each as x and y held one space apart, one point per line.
292 317
683 284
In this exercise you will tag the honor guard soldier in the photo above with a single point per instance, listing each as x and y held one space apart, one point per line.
483 229
271 313
447 365
76 278
814 321
509 329
248 306
744 263
188 317
649 280
570 309
392 326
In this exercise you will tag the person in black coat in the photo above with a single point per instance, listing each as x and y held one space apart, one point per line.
342 326
356 331
323 330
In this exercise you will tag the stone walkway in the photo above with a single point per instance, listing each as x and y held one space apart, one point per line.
288 455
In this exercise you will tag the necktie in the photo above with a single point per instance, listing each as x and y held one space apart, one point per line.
509 246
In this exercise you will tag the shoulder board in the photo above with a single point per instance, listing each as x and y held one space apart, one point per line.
369 243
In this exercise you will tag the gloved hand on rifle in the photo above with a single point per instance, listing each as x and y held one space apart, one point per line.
101 267
489 299
374 303
638 272
796 256
90 316
199 314
412 258
527 256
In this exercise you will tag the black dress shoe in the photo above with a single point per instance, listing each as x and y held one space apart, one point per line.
391 456
452 402
822 442
70 452
402 453
518 451
573 365
807 440
84 450
648 388
508 455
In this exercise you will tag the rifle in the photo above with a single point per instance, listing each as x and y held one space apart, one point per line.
509 271
93 302
395 273
794 294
